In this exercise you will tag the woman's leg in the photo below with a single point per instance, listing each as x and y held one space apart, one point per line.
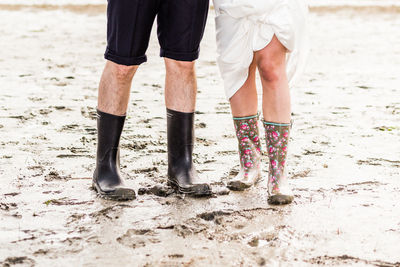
271 63
245 119
244 101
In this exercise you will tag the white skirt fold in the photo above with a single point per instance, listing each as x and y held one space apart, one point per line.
246 26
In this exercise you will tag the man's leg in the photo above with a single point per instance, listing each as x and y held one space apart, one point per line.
115 87
181 25
129 24
180 99
113 101
180 85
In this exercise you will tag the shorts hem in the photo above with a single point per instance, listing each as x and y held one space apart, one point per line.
191 56
127 61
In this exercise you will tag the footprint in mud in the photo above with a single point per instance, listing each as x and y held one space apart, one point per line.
41 252
11 261
222 106
74 243
222 225
45 111
89 112
66 202
228 136
109 213
135 145
146 170
200 125
227 152
313 152
8 206
262 238
190 227
348 260
69 127
157 190
211 216
137 238
355 188
12 194
204 141
301 174
379 162
54 175
35 99
23 118
63 108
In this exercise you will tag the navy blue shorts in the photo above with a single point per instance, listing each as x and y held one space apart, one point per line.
180 28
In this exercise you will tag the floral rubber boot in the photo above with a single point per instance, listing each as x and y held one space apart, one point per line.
249 153
277 137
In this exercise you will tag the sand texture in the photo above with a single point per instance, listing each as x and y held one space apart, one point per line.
344 157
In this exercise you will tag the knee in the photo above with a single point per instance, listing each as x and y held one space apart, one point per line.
182 67
124 73
270 71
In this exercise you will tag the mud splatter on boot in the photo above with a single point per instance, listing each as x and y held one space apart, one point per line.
249 152
277 138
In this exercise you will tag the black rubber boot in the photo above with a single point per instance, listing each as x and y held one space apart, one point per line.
107 180
182 175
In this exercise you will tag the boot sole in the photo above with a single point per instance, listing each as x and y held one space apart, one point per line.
119 194
188 191
240 186
280 199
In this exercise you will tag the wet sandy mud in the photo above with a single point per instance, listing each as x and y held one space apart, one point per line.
344 163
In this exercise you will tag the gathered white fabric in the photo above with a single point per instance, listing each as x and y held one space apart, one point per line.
246 26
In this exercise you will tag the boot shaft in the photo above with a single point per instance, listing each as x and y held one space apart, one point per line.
277 140
109 129
180 133
249 146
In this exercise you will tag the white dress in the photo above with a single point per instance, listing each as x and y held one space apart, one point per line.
245 26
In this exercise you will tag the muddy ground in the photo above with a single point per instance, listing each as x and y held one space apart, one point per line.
344 163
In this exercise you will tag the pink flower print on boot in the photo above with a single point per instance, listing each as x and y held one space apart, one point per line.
286 134
249 151
273 163
244 127
248 164
277 137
